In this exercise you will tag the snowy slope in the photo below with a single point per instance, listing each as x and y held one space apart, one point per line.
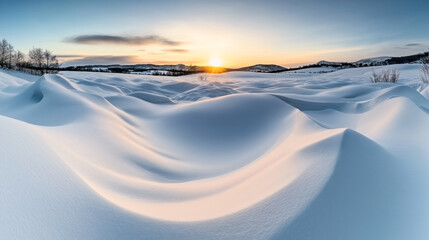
264 68
375 60
329 63
239 156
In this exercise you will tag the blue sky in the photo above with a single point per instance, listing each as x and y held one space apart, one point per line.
288 32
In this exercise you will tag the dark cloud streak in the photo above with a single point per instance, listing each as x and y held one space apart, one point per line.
177 50
102 60
121 40
413 45
70 56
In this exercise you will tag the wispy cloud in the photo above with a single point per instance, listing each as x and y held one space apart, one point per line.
410 46
70 56
413 45
176 50
165 51
101 60
110 60
96 39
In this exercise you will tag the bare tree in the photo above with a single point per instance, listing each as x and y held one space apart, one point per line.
36 58
50 60
425 69
43 60
9 55
3 52
19 60
40 61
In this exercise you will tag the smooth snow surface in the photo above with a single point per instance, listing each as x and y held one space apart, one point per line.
240 156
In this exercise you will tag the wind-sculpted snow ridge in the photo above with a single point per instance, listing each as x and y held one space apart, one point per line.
239 156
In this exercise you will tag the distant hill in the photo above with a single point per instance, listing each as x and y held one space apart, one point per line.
333 64
372 61
264 68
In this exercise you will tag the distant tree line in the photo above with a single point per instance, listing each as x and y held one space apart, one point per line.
425 69
37 61
408 59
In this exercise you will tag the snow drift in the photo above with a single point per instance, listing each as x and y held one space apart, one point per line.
241 156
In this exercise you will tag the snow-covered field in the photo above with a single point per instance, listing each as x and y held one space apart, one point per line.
240 156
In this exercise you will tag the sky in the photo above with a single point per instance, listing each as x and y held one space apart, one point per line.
236 33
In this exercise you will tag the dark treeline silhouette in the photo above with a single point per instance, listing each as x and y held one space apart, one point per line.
146 69
425 69
37 62
408 59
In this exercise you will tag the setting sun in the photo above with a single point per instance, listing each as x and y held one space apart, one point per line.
215 62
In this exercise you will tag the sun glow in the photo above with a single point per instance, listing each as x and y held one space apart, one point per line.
215 62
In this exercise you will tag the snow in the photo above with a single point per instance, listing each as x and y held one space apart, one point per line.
375 60
239 156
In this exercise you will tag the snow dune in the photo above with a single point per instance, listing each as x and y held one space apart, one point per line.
240 156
